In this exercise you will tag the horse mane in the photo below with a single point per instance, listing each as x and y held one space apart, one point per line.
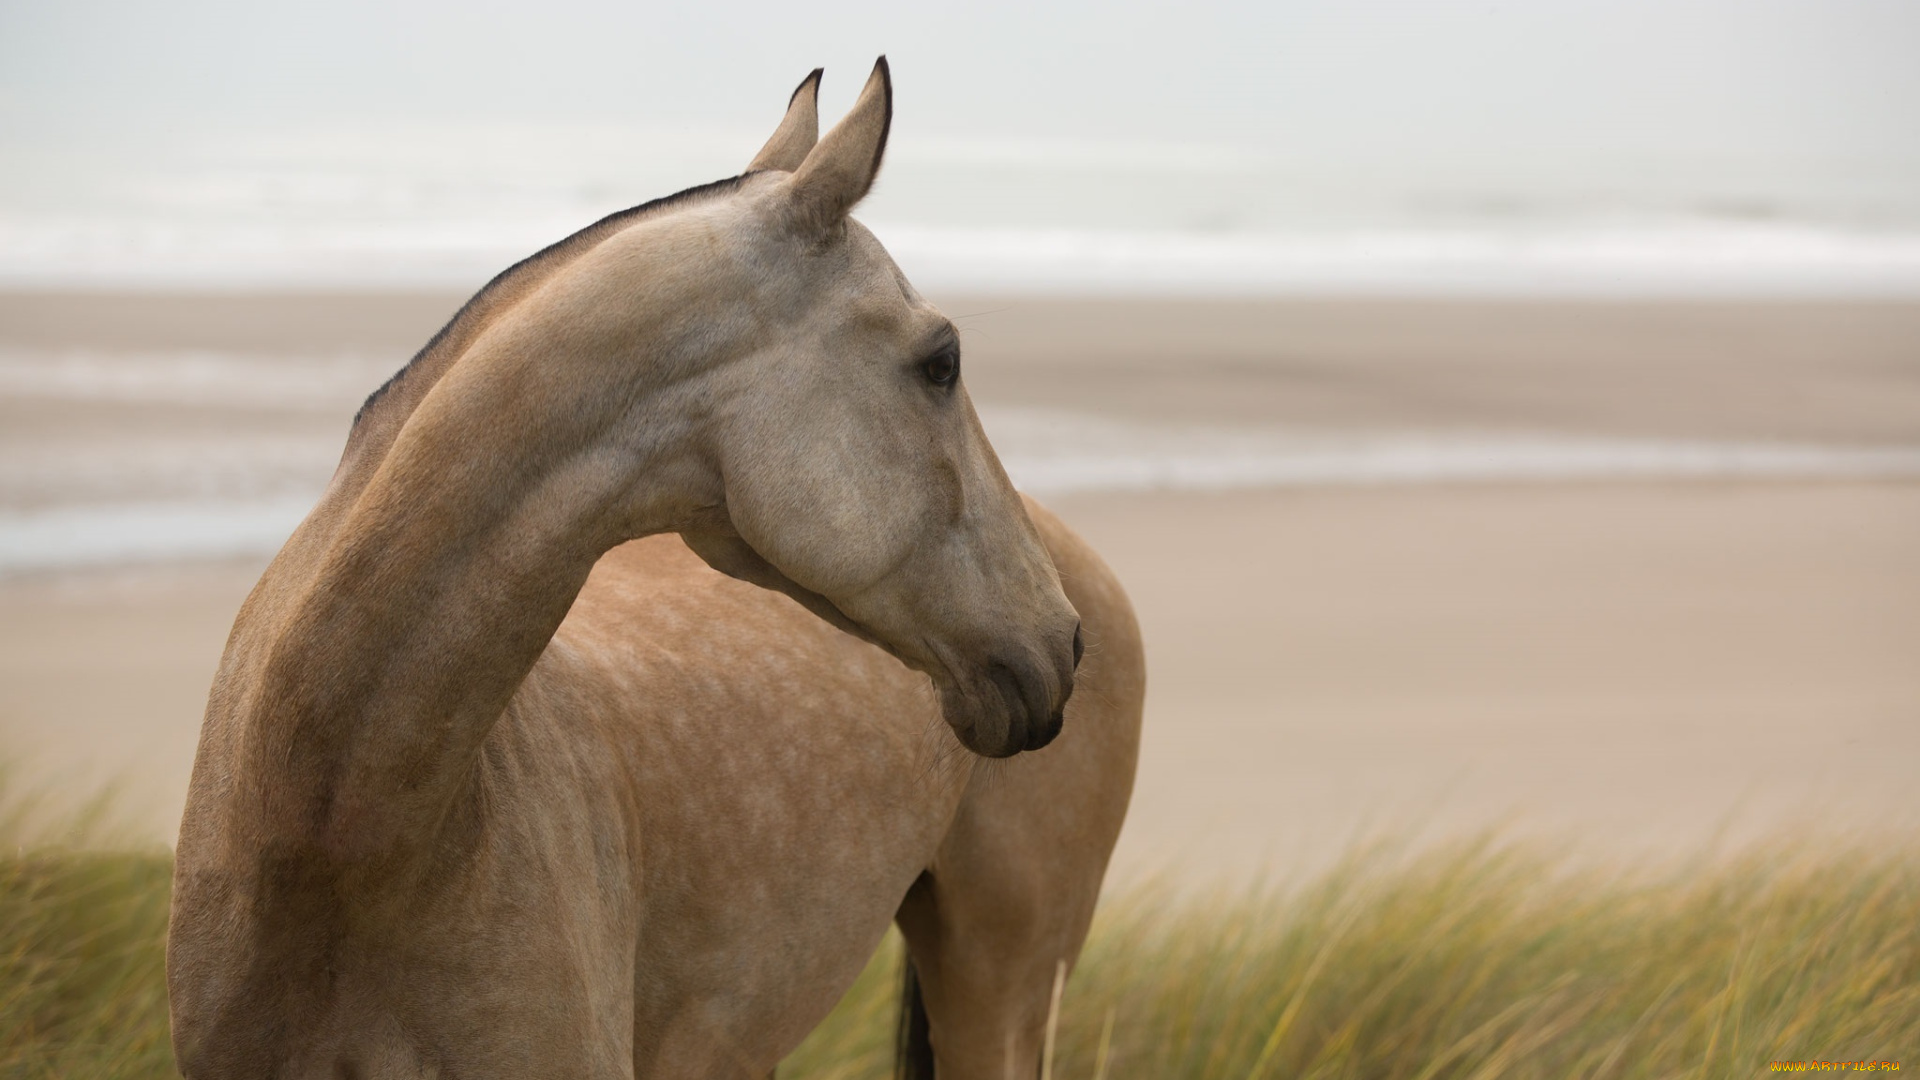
509 285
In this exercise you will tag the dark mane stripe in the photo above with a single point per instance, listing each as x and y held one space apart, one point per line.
519 272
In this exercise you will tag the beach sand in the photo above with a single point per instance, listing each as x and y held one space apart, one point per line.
1636 666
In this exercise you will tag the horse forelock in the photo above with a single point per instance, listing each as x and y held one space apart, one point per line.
500 293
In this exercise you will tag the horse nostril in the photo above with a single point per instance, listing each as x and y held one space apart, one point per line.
1078 647
1039 735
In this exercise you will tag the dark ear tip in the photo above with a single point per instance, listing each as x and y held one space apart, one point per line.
813 80
886 97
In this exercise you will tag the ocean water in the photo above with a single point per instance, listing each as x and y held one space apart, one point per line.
406 206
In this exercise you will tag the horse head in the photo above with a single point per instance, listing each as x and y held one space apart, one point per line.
851 468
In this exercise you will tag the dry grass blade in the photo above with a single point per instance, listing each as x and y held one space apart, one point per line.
1100 1058
1053 1019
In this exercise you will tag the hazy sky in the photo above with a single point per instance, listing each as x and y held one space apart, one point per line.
1831 78
1202 117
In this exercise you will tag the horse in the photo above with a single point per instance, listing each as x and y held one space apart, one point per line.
667 630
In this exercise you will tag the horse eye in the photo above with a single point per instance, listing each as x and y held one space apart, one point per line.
942 367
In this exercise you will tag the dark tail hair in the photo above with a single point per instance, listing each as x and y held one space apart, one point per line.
913 1043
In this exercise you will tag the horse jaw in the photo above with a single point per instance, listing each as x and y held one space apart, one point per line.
996 709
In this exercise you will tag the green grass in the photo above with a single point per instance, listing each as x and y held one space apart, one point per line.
82 950
1477 962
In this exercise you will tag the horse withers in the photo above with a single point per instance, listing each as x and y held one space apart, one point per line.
500 778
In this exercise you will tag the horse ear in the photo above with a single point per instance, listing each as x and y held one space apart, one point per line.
840 170
798 130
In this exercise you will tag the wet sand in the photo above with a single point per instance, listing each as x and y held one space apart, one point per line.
1817 370
1638 665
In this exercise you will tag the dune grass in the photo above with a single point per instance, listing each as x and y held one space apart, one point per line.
1480 961
82 949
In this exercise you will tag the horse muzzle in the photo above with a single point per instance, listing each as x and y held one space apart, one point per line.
1017 704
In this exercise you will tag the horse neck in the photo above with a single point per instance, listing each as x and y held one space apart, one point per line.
390 636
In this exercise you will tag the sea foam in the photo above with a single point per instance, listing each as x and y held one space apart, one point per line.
1709 259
